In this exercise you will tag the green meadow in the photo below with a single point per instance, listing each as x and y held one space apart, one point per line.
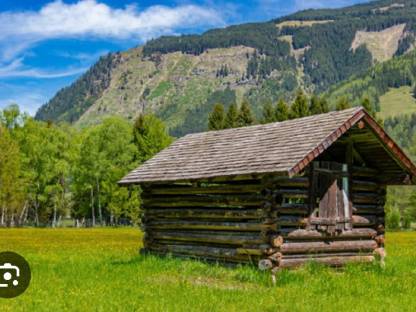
101 270
397 101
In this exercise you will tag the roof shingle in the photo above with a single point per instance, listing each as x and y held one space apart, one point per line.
270 148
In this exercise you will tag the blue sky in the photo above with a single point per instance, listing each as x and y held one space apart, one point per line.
46 45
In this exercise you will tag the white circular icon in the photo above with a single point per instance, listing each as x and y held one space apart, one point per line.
7 276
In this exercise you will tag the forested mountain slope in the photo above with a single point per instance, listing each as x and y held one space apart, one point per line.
181 78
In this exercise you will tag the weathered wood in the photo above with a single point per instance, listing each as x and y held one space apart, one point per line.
226 201
361 185
292 193
363 172
332 261
299 182
209 189
330 246
292 208
250 251
301 222
206 225
368 198
302 234
210 237
200 251
368 209
328 254
366 220
276 257
198 213
265 264
380 240
276 240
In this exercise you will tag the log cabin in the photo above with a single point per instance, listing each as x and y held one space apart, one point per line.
277 195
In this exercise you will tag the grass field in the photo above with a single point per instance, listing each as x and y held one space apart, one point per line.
100 270
397 101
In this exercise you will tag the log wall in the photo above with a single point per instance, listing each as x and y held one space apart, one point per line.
259 219
298 244
224 221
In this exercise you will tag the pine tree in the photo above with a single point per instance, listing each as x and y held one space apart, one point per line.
231 117
268 113
318 105
282 111
300 107
216 118
368 107
342 104
150 136
324 105
245 116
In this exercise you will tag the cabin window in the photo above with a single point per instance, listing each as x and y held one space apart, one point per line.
331 209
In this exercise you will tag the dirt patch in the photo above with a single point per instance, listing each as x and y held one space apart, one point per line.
381 44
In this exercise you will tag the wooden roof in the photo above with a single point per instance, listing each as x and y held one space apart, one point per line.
283 147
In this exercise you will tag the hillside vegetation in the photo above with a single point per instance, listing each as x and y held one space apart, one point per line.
181 78
397 101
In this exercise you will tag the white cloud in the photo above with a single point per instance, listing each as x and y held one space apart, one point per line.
319 4
91 18
81 56
17 69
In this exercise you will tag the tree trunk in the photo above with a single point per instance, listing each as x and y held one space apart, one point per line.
100 214
92 207
22 214
54 216
36 211
3 211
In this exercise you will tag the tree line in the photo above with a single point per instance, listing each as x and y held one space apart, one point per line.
302 106
50 173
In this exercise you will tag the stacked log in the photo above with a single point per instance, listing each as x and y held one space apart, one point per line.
260 219
364 243
224 221
368 198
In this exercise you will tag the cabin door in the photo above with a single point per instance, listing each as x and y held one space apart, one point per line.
330 200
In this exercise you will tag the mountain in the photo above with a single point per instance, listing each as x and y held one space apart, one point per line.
181 78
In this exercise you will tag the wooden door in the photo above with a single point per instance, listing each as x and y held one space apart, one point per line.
331 205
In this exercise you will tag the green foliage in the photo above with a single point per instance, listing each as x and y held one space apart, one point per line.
393 219
71 102
149 136
268 113
231 118
11 117
245 116
256 35
342 104
216 118
376 81
318 105
161 89
282 111
196 118
11 183
106 153
49 172
300 107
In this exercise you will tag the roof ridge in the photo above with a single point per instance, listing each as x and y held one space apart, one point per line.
270 124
